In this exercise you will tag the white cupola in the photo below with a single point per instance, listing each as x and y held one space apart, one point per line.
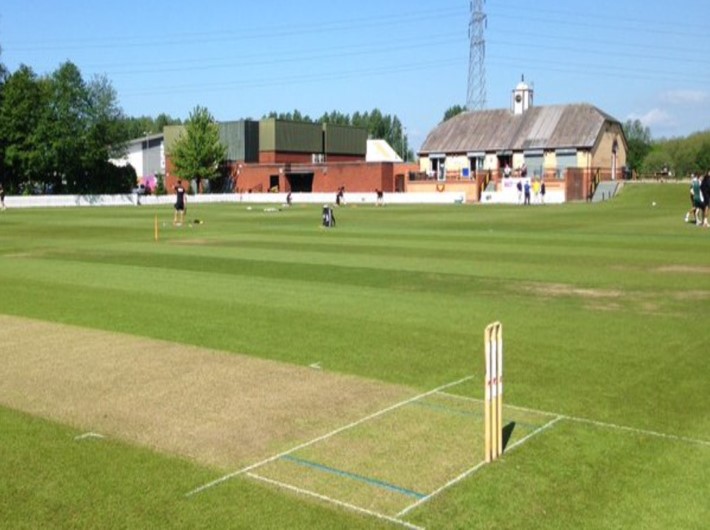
522 98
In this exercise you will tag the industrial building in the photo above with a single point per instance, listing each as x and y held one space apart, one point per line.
289 156
146 155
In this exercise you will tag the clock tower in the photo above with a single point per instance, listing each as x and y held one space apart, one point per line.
522 97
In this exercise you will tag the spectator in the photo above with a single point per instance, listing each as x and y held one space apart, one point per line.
705 190
526 190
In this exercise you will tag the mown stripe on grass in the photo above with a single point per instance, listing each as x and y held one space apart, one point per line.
475 469
470 413
326 436
353 476
342 504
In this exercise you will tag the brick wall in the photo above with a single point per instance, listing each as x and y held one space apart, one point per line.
327 177
355 176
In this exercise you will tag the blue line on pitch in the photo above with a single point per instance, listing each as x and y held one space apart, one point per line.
353 476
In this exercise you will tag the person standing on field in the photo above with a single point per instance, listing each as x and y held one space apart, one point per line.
692 211
180 203
536 191
2 197
698 201
526 191
705 190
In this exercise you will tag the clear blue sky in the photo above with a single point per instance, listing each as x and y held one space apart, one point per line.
642 59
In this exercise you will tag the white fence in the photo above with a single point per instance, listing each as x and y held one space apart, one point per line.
66 201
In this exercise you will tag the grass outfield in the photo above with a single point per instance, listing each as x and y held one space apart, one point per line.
605 310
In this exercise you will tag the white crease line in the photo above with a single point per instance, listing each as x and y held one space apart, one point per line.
330 500
603 424
475 468
644 432
88 435
324 437
534 433
506 405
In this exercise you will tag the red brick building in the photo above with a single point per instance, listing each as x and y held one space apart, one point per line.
280 155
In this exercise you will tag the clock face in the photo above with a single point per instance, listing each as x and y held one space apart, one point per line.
518 98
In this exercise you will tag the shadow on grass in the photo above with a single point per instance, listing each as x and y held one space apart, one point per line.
507 433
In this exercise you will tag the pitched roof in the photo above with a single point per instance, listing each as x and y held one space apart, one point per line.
546 127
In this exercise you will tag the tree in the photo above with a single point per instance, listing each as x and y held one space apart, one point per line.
198 153
62 130
3 72
335 118
3 76
453 111
20 113
703 160
144 125
162 120
106 133
638 140
290 116
105 139
682 156
59 132
657 161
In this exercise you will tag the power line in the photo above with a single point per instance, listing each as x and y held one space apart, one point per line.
656 57
271 58
560 18
358 24
271 32
591 70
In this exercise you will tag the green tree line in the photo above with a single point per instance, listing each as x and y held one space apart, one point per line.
674 157
59 131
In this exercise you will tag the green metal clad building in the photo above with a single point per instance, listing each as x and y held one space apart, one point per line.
299 137
244 139
290 136
345 140
171 134
241 138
